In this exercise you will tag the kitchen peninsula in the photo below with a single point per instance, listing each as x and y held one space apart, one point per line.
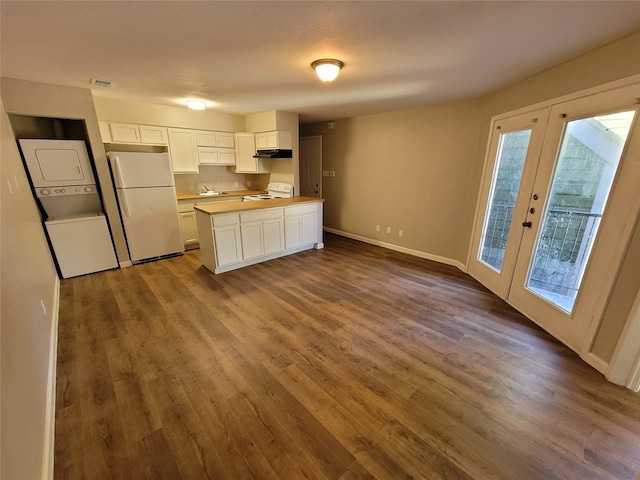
237 234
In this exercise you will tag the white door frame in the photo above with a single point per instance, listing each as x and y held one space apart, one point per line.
624 368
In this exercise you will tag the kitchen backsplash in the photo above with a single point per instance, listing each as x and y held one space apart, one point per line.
218 178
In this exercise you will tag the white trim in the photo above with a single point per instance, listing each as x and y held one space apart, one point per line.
50 414
634 380
398 248
624 368
596 362
126 263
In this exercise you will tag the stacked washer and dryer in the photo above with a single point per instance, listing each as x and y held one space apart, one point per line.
64 183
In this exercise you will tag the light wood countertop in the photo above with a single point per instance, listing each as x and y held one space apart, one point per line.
227 194
230 207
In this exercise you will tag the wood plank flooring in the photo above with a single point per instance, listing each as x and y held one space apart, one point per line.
345 363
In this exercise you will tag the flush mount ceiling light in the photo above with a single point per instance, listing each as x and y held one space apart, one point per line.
327 69
196 104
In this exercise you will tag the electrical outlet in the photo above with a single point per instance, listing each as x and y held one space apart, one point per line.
237 184
377 228
248 183
400 232
330 125
388 229
325 173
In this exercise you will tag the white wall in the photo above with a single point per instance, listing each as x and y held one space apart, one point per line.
28 322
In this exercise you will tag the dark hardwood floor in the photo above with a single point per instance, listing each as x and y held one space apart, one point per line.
349 362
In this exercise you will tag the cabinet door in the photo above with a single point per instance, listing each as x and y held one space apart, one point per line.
182 147
124 133
207 156
189 229
226 157
153 135
224 140
273 232
266 140
245 150
308 228
252 243
228 245
292 232
206 138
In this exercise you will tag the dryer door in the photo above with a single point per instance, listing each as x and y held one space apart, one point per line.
54 163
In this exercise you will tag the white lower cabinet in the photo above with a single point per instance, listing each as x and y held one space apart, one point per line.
252 243
227 239
301 225
262 232
188 224
233 240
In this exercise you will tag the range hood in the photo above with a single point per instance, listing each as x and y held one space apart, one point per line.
274 153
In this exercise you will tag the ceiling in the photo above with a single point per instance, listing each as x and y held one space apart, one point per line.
243 57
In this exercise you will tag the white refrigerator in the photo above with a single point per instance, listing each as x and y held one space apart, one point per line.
148 204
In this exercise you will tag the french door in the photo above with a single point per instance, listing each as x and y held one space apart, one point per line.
559 190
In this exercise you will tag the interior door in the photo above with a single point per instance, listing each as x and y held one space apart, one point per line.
514 148
311 166
559 193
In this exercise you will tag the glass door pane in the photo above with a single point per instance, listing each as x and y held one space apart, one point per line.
512 152
589 155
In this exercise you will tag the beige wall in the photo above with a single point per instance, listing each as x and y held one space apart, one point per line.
41 100
407 170
420 169
28 290
110 110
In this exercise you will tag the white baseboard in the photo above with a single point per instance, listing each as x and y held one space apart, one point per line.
50 415
126 263
398 248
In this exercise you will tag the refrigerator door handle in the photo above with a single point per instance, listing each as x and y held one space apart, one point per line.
125 203
116 167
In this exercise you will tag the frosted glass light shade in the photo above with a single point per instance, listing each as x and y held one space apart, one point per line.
327 69
196 104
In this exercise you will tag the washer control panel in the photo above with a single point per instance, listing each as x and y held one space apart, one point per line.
46 192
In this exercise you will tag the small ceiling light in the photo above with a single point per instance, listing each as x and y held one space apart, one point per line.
196 104
327 69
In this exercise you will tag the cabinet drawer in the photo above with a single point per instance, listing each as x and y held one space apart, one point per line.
185 207
227 219
300 209
260 215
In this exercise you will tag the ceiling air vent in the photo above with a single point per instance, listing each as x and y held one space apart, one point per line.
100 83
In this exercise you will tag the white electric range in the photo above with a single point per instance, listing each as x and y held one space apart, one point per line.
275 190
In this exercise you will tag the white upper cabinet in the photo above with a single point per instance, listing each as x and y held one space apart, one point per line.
225 140
153 135
216 156
207 138
131 133
182 147
245 151
273 140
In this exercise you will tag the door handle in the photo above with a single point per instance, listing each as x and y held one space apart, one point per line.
526 224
